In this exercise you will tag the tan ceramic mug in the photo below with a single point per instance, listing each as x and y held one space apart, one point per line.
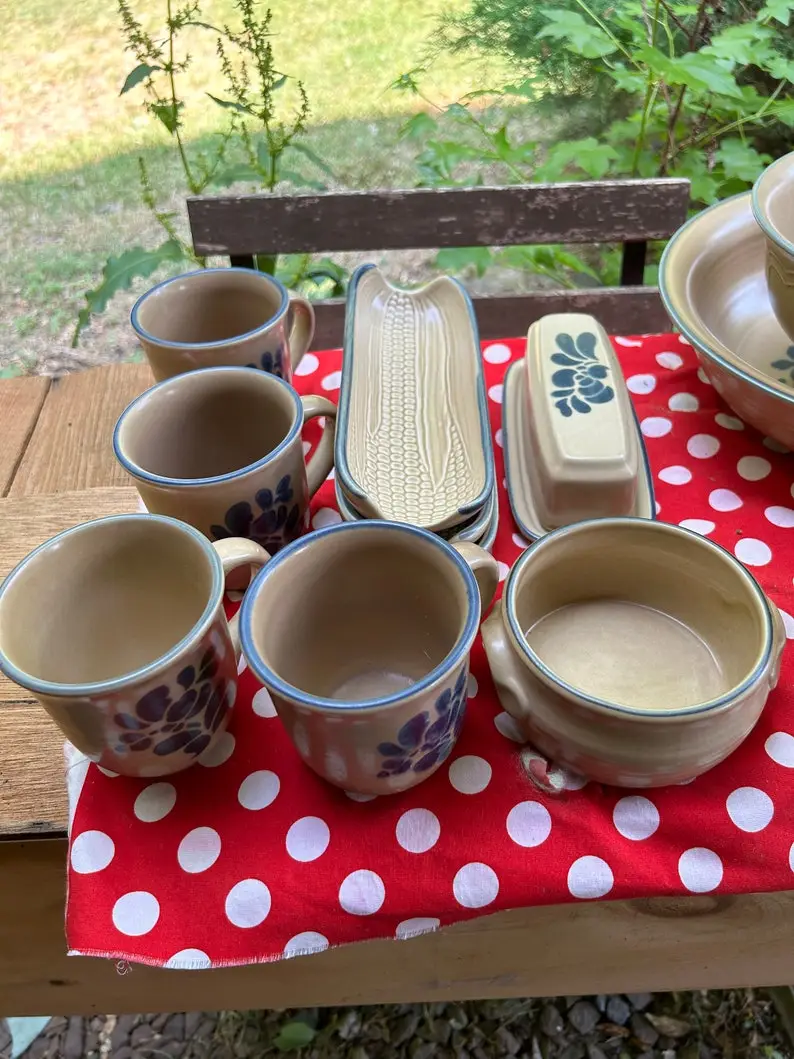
221 449
218 316
635 652
117 627
773 208
368 660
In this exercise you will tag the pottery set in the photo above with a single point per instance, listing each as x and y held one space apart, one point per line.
727 281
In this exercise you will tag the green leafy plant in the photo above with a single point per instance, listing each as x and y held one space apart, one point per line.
293 1036
259 142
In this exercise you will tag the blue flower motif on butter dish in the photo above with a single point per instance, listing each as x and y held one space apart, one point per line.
272 363
428 738
275 524
579 383
786 367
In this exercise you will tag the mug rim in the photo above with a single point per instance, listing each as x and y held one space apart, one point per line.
135 469
59 689
166 343
770 230
595 701
452 659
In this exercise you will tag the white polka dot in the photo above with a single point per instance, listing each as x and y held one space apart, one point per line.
475 885
412 928
753 468
262 704
92 851
519 542
566 779
136 913
669 360
234 595
699 525
106 772
657 506
788 623
332 381
529 824
729 422
303 944
780 516
628 342
495 393
683 402
752 552
189 960
248 903
702 446
775 446
498 438
635 817
675 475
325 516
700 870
307 447
154 802
498 353
362 893
355 796
724 500
308 839
750 809
220 751
656 426
684 341
641 383
508 727
199 850
791 857
242 664
470 774
258 790
307 365
473 687
418 830
503 569
704 377
590 877
142 506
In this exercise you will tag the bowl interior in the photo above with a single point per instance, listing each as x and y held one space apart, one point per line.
640 615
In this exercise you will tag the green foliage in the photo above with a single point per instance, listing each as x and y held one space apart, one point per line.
294 1035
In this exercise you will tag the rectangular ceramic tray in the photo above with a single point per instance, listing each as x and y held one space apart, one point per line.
413 441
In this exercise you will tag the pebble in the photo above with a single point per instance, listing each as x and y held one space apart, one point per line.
594 1052
584 1016
573 1051
141 1035
551 1022
121 1032
174 1027
421 1049
507 1042
639 1001
405 1028
643 1030
618 1010
73 1045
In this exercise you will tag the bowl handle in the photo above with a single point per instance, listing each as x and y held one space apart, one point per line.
778 643
507 672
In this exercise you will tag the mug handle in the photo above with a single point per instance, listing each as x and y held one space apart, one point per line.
778 643
505 668
235 552
319 466
484 567
302 331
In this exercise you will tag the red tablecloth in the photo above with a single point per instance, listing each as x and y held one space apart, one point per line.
248 856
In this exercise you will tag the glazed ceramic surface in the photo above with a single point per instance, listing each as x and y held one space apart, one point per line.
367 662
523 475
773 208
117 627
414 443
713 283
635 652
221 449
222 316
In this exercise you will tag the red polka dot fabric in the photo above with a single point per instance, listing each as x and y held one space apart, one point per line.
248 856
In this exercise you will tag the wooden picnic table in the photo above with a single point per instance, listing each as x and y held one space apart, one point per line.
57 469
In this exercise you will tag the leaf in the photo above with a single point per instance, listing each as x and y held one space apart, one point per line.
669 1026
700 70
140 73
742 44
236 174
459 258
779 10
307 152
299 180
589 155
577 35
739 159
168 114
416 127
457 111
229 104
693 166
294 1035
118 274
279 83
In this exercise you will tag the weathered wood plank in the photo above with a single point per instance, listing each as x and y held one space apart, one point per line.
70 447
20 406
587 212
626 946
32 770
622 311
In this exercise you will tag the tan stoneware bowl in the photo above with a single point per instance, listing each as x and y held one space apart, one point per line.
773 208
636 653
713 283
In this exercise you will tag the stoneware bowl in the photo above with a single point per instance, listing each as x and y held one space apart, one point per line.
713 283
773 208
636 653
361 632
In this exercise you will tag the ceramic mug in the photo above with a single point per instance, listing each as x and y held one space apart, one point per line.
772 198
368 661
217 316
117 627
635 652
221 449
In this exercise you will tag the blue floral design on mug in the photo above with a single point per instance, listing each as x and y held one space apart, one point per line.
167 719
580 381
786 366
277 523
427 740
272 363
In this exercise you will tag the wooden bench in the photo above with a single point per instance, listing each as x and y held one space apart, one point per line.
631 212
